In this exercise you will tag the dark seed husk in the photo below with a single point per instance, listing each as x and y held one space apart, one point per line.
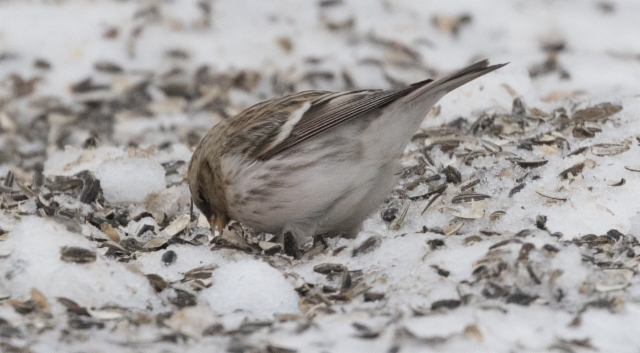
600 111
441 271
87 85
472 155
364 331
90 189
532 274
389 214
42 64
492 291
524 251
346 281
329 289
398 222
581 131
523 233
145 228
438 190
157 282
445 304
172 167
541 222
435 243
490 146
578 151
472 239
517 189
38 180
270 248
328 268
521 299
530 164
620 183
202 272
616 234
84 323
469 184
368 245
142 215
276 349
432 200
26 190
574 170
8 180
131 245
452 174
169 257
496 215
504 242
558 198
469 197
608 149
77 255
108 67
373 296
183 299
63 183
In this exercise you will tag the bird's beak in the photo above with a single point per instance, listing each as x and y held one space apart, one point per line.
218 222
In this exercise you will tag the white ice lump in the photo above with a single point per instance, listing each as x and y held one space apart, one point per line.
253 288
130 180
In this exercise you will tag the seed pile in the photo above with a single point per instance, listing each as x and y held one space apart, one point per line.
514 227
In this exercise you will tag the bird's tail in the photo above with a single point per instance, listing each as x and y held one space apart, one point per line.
454 80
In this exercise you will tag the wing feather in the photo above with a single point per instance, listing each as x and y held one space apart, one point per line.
328 109
332 110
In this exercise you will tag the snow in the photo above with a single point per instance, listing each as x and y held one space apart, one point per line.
130 180
33 260
252 288
583 294
187 259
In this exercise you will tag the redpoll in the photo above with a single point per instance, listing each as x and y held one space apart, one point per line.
312 162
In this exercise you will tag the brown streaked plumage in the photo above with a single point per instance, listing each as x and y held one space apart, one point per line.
312 162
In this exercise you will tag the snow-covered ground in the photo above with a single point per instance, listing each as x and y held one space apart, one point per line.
514 228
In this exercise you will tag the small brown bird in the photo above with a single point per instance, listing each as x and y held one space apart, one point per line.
314 162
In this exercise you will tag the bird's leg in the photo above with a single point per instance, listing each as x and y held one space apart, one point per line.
296 234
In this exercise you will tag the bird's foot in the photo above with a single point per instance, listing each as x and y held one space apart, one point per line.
319 239
290 245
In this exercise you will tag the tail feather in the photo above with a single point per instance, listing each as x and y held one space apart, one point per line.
455 79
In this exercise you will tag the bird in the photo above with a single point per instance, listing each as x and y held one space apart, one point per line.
314 162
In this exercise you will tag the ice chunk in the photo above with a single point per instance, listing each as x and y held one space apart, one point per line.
74 160
253 288
168 202
130 180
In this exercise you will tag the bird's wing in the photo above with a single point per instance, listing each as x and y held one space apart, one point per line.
330 110
282 123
